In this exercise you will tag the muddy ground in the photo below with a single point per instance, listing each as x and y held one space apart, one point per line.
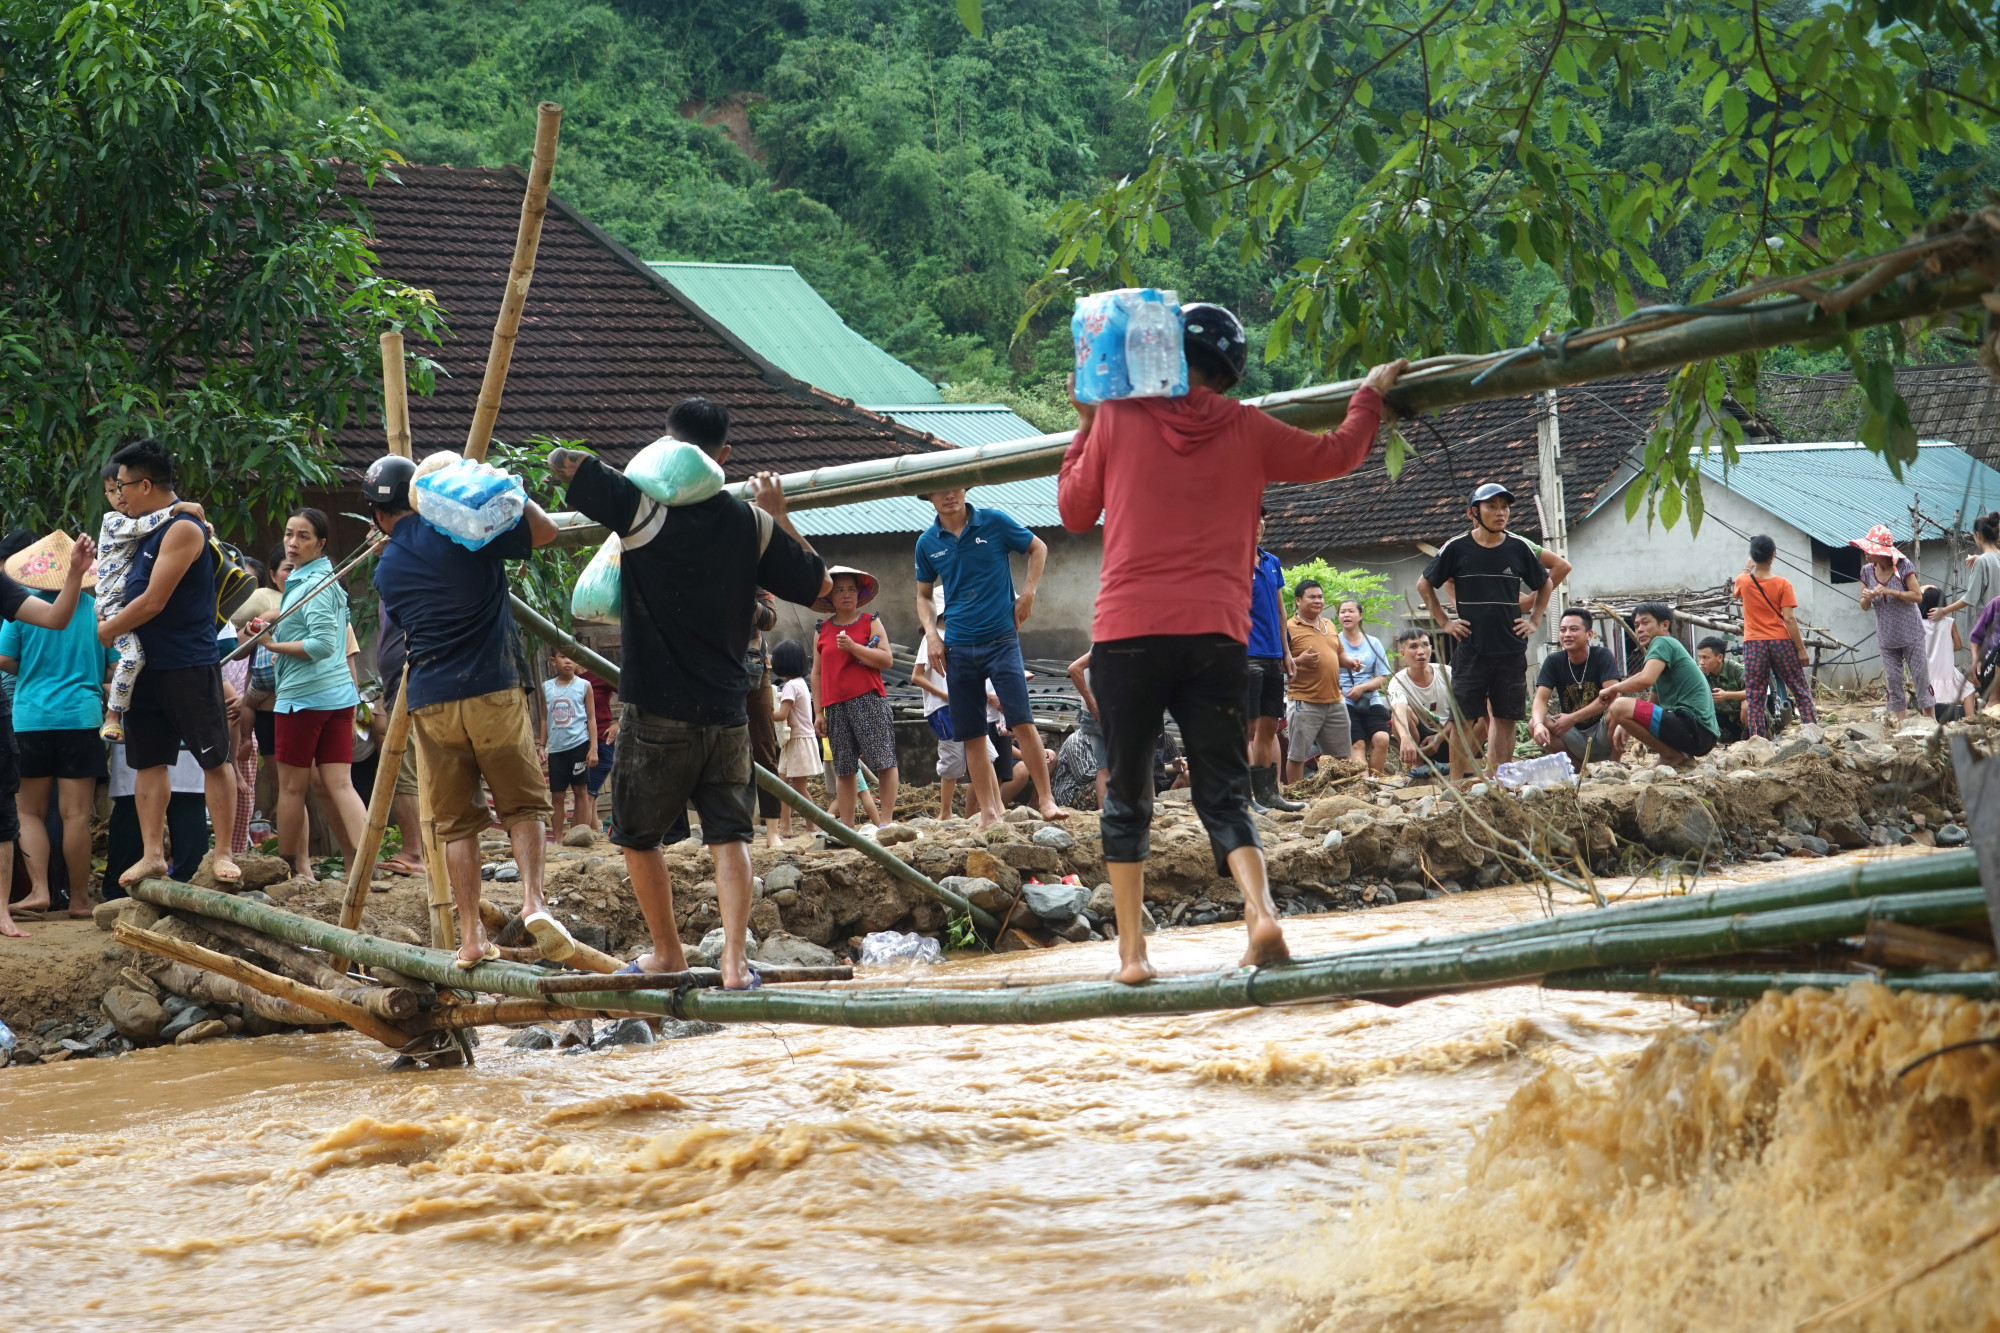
1361 842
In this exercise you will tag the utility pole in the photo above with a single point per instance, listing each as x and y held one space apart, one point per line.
1549 495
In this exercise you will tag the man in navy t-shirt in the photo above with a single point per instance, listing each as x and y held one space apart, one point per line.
1270 655
468 709
966 550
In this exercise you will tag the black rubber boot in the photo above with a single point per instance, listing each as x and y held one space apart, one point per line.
1264 781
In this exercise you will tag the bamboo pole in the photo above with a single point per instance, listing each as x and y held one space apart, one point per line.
395 395
551 633
250 645
694 976
209 989
381 799
1328 977
444 934
485 1012
391 1004
1966 273
309 997
534 203
1750 985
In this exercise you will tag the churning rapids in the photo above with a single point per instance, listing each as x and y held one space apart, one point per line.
1513 1159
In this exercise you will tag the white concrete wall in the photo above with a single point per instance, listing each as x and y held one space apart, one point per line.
1059 628
1614 558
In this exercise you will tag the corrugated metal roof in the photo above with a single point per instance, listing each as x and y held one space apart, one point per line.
781 317
963 424
1835 491
1033 502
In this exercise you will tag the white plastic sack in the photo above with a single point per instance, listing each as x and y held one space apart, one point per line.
599 591
888 948
674 472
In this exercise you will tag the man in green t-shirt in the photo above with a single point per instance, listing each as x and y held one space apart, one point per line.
1680 725
1726 686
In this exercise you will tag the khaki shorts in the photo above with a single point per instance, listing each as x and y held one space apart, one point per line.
467 739
406 775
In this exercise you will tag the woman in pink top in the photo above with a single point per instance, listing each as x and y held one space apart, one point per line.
1179 482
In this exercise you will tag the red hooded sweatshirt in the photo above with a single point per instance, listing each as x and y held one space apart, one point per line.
1178 481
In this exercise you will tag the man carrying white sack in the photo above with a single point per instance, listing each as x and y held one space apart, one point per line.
468 706
689 575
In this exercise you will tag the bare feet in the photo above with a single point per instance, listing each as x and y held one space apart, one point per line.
34 902
146 867
223 866
1134 972
8 930
81 905
652 964
1267 944
1052 811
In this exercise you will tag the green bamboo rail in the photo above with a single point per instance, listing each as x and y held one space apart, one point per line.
1418 971
1751 985
1860 879
1969 268
553 634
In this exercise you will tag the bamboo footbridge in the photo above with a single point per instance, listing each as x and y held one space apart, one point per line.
1887 919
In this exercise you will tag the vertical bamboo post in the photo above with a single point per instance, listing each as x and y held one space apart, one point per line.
548 120
395 396
388 764
444 935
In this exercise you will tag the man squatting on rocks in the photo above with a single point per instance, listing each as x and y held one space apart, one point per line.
690 576
468 701
1179 482
966 550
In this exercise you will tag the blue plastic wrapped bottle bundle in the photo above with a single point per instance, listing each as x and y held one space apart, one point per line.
469 502
599 591
674 472
1128 345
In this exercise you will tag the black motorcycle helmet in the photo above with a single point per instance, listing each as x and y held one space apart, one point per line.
1214 340
387 484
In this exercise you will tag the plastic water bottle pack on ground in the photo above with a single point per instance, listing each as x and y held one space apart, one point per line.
889 948
1128 345
599 590
469 502
1549 770
674 472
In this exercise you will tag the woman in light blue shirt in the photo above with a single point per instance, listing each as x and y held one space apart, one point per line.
314 712
1362 684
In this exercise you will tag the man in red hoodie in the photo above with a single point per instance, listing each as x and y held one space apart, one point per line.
1179 482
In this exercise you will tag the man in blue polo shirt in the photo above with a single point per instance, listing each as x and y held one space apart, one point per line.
1270 667
967 550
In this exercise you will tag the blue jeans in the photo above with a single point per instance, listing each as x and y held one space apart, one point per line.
606 750
967 669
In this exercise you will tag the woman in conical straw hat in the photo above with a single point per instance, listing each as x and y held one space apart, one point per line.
1890 589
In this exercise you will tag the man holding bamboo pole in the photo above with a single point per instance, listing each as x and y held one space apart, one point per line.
1179 482
689 582
468 709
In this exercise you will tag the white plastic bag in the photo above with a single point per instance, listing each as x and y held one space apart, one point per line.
674 472
599 590
888 948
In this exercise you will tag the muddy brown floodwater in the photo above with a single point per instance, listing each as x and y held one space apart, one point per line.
1512 1159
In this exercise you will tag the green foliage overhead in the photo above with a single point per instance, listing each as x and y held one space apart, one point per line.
165 270
1411 158
1378 604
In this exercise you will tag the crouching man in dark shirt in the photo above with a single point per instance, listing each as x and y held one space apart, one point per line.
690 576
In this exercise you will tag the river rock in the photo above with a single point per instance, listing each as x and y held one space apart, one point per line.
890 835
577 1032
580 836
1055 902
214 1027
981 863
1331 842
782 950
532 1039
1671 818
709 952
678 1029
982 893
1028 858
625 1032
1053 838
1103 903
782 877
1847 831
182 1021
1077 930
1796 842
1951 835
134 1013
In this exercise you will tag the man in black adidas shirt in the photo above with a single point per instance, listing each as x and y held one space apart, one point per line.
1488 567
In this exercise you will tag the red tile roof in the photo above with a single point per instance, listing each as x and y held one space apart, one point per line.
1456 450
606 346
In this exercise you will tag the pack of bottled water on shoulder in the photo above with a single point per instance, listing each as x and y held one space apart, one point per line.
469 502
1128 345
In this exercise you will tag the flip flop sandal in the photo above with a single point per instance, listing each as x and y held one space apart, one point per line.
555 943
492 955
220 878
756 981
28 914
631 969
